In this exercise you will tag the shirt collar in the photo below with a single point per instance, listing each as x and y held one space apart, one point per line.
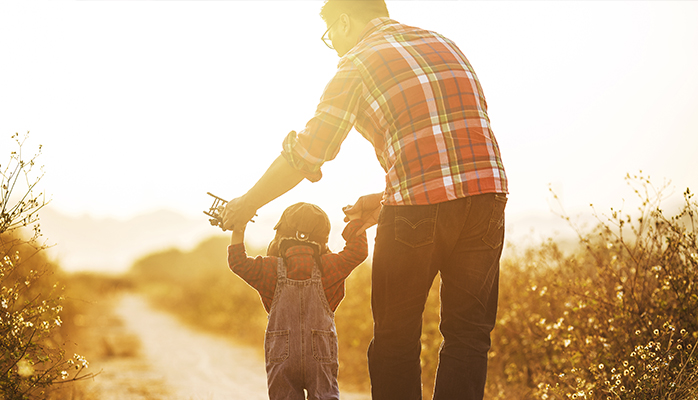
373 25
296 250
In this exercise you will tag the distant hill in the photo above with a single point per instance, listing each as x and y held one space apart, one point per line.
111 245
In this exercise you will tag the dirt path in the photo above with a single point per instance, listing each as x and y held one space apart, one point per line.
176 362
193 365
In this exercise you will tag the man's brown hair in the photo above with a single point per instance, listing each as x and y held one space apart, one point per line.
363 9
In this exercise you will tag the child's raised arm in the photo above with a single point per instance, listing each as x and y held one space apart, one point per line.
238 236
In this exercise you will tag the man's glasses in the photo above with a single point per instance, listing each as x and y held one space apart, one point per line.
325 38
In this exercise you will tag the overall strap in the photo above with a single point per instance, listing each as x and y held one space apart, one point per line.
281 269
316 269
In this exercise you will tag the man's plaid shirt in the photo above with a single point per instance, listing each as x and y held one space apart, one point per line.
415 97
260 272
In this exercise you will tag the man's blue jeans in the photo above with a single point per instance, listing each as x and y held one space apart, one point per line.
462 240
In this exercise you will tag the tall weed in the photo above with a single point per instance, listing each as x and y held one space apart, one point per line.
32 358
616 319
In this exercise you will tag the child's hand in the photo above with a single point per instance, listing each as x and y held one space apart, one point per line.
367 208
237 213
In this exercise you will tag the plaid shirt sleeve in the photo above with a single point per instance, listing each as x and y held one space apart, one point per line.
337 266
258 272
415 97
334 117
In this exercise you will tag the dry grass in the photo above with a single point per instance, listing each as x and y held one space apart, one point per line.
91 328
614 319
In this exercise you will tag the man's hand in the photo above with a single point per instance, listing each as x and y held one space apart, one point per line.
366 209
237 214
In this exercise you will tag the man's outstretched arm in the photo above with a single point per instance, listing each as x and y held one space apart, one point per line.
279 178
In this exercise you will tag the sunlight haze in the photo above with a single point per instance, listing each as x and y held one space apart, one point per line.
146 106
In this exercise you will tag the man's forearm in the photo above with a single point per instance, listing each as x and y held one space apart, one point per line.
279 178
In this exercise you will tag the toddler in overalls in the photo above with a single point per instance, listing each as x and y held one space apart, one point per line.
301 283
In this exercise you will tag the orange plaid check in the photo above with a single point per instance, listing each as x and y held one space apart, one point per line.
413 94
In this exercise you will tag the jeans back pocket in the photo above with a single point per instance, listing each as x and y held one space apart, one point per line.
495 230
415 225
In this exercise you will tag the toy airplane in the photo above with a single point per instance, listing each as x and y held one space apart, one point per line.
216 211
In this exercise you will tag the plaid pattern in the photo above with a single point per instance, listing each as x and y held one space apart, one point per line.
415 97
260 272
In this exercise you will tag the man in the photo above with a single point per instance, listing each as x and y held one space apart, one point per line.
415 97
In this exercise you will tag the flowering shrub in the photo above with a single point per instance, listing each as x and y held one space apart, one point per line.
31 359
616 320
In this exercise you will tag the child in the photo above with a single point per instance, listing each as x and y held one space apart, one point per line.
301 284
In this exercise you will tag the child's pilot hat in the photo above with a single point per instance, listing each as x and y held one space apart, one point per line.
301 224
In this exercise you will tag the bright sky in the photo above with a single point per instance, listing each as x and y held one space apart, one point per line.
147 105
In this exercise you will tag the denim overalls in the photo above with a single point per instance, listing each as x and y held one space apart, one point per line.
300 347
